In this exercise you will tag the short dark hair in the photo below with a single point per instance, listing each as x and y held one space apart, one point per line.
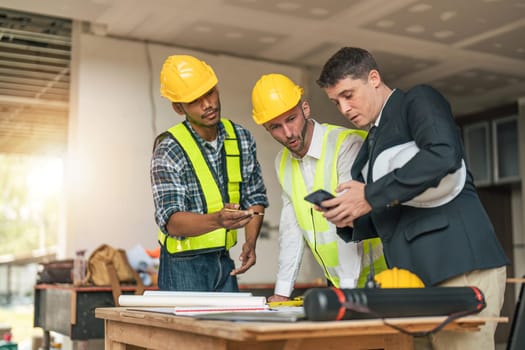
350 62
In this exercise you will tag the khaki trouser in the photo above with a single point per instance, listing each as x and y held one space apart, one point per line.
492 283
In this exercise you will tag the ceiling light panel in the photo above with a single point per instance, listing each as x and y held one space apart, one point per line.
309 9
448 21
225 38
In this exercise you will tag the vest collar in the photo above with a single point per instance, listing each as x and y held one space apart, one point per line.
221 135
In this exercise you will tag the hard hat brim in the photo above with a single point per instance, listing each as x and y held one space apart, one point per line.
448 188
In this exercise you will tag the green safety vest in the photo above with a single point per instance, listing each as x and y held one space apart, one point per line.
321 238
378 259
219 238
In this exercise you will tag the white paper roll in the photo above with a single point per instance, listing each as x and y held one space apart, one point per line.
172 301
196 294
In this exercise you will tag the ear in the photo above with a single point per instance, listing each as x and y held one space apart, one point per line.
177 107
374 78
305 106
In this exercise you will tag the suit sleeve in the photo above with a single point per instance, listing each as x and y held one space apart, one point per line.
427 119
363 229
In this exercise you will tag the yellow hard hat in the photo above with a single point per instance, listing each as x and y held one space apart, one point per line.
272 95
185 78
398 278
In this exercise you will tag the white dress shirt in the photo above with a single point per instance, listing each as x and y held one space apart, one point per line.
291 240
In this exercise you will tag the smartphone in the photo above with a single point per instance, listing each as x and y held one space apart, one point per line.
319 196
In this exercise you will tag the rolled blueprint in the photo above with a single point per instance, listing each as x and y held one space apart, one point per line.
195 294
188 300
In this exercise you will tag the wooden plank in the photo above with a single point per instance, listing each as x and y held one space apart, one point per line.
389 342
155 339
156 331
159 338
399 341
110 345
293 344
73 313
273 331
515 280
107 342
123 287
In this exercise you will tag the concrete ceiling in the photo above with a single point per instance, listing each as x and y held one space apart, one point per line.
472 50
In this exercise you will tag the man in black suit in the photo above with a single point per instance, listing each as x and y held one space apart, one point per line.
424 207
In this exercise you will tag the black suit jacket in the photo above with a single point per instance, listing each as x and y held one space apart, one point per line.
434 243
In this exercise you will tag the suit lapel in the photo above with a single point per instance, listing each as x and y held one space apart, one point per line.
389 118
360 162
365 153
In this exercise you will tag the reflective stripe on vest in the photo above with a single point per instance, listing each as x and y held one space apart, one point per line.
316 230
378 260
210 189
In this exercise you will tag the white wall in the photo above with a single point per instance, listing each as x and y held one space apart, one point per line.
116 111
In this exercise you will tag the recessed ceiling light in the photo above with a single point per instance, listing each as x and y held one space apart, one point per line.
386 23
447 15
234 35
415 29
420 8
202 29
288 6
319 11
443 34
268 40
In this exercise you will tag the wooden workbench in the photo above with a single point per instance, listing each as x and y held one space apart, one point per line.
69 310
155 331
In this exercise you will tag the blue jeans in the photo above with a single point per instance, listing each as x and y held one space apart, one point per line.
208 272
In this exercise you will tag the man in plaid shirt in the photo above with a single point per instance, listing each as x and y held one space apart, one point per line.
206 184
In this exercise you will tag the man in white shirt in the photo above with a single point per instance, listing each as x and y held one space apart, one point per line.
315 156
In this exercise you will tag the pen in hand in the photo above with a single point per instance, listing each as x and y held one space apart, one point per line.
252 212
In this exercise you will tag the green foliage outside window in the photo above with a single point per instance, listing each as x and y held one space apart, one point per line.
30 202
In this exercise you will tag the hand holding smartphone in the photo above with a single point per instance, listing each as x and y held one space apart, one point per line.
317 197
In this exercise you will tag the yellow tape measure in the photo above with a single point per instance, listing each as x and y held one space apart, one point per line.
292 302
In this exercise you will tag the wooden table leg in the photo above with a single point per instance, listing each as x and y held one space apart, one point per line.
80 345
292 344
399 341
46 342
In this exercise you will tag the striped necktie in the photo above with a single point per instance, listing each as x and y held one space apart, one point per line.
371 143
